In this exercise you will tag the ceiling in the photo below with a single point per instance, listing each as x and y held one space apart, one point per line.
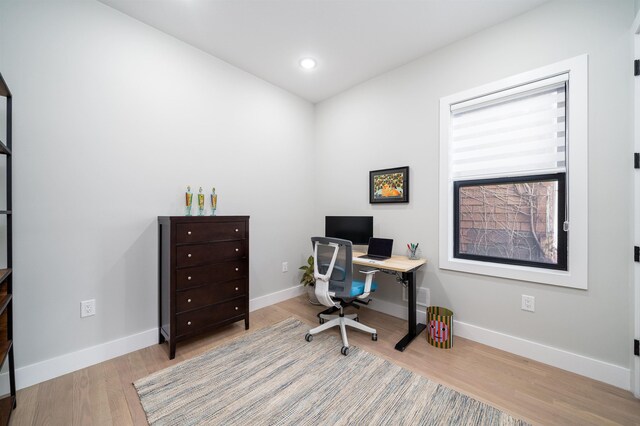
352 40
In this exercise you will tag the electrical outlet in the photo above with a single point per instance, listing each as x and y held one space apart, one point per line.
285 266
528 303
423 296
87 308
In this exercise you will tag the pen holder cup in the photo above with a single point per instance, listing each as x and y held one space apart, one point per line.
439 327
413 254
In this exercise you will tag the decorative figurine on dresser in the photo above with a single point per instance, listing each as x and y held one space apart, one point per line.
204 275
200 203
188 199
214 201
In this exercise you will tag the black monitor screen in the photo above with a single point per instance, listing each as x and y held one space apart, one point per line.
357 229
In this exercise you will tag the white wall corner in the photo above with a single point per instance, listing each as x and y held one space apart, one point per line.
595 369
396 310
276 297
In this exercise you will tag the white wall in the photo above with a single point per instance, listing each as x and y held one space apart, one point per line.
112 120
393 120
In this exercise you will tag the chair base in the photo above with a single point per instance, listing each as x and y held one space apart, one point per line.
343 321
345 303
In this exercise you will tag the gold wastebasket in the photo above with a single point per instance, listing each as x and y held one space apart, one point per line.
439 327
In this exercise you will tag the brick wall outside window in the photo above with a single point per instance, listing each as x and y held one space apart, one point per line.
510 220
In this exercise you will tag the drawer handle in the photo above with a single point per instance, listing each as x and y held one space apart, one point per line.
237 289
188 300
237 249
188 322
189 278
236 308
237 269
189 255
188 232
237 229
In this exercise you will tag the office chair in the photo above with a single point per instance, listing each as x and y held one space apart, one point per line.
336 288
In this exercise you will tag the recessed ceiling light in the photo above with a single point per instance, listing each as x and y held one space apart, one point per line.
308 63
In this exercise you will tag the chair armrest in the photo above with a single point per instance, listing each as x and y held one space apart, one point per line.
367 283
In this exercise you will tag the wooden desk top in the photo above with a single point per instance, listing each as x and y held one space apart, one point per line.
396 263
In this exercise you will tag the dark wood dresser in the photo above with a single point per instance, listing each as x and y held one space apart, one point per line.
203 276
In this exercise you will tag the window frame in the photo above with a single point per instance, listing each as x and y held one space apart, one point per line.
576 275
562 235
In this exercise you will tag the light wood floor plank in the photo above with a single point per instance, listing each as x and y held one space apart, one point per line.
81 410
104 394
130 368
115 394
99 407
25 411
54 402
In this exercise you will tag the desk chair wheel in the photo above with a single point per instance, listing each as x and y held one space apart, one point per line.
345 350
321 320
308 337
374 337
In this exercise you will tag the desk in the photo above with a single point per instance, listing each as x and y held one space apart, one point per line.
405 271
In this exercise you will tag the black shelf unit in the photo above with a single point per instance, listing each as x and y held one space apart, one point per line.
8 401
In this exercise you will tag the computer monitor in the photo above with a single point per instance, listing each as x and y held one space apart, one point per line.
357 229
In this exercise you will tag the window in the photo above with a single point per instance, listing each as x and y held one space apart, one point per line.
518 221
513 169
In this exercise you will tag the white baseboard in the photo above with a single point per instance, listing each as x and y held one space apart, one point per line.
48 369
579 364
395 310
575 363
599 370
276 297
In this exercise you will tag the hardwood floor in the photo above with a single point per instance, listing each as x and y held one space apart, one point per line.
103 394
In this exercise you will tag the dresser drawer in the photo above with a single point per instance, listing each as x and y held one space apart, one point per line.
200 232
201 254
191 321
211 274
199 297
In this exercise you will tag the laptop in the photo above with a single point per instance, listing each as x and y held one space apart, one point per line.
379 249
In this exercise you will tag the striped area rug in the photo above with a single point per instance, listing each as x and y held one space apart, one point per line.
274 377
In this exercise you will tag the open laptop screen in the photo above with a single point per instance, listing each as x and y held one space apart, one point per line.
380 247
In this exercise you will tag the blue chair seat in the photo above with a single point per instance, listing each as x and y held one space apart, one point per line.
357 287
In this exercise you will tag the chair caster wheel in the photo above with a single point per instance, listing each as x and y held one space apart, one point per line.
374 337
308 337
321 320
345 350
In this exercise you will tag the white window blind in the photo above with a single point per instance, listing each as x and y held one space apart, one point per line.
520 131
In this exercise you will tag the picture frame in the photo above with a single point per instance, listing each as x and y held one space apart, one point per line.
389 185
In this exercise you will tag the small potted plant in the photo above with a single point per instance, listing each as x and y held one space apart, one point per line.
309 281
